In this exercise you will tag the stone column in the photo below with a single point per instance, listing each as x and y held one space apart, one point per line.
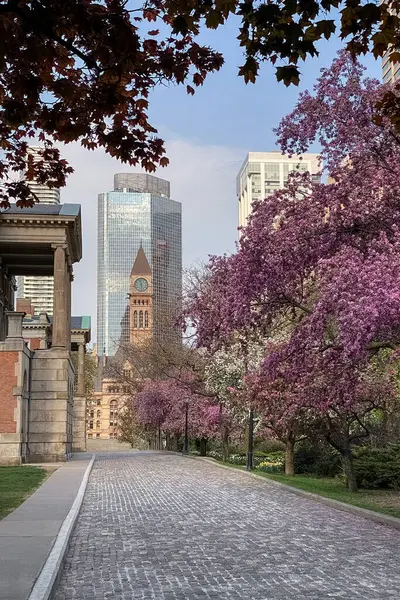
81 370
60 319
68 281
79 420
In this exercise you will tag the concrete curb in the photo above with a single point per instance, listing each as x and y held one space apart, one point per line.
370 515
45 583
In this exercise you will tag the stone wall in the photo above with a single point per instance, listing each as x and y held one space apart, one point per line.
106 446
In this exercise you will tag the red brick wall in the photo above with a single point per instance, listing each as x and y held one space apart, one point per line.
24 305
34 343
8 381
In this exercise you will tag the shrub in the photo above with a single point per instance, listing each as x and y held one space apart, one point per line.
377 467
317 460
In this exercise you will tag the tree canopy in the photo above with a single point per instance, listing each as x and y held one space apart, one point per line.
324 258
81 70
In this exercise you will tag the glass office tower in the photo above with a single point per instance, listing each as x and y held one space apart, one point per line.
138 211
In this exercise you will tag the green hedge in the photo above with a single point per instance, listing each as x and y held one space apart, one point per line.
377 467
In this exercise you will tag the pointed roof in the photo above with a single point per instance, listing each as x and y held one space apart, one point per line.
141 265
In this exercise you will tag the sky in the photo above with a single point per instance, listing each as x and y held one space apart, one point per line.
207 138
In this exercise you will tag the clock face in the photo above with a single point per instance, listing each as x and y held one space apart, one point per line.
141 284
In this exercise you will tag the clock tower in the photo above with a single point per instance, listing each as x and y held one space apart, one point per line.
140 300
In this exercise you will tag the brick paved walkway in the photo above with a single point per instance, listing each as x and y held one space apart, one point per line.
163 527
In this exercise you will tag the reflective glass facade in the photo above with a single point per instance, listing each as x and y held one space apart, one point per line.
125 220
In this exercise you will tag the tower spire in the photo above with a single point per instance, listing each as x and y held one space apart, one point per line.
141 265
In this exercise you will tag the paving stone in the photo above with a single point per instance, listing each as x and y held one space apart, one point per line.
162 527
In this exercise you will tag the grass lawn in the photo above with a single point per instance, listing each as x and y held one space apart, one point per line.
16 484
382 501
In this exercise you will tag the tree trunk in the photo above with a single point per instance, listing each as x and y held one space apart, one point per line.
225 444
289 456
349 470
203 447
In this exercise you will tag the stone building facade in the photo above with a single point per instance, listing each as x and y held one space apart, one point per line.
37 384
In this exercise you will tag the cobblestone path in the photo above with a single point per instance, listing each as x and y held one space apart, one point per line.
163 527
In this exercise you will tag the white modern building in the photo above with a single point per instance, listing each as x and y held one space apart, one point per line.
262 173
39 289
390 70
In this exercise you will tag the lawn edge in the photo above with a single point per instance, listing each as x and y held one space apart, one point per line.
366 513
28 494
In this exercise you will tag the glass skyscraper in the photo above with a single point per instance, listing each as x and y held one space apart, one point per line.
138 211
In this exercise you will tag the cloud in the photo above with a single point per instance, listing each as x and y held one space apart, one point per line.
202 179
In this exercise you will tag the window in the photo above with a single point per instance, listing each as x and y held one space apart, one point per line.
91 425
98 402
146 319
90 435
92 414
97 424
127 373
135 319
113 412
97 435
98 414
141 319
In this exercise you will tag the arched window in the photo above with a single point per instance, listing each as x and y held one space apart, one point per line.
141 319
98 424
91 425
135 320
92 414
98 414
146 319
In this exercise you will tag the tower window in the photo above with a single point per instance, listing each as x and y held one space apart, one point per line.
135 319
91 425
146 319
98 414
98 424
140 319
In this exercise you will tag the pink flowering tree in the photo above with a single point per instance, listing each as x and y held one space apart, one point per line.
160 407
324 258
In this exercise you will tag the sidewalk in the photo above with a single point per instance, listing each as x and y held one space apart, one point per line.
27 535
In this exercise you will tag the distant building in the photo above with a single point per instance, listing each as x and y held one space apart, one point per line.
262 173
39 289
109 400
138 213
390 70
45 194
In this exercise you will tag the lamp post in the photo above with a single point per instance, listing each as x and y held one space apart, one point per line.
249 465
186 441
